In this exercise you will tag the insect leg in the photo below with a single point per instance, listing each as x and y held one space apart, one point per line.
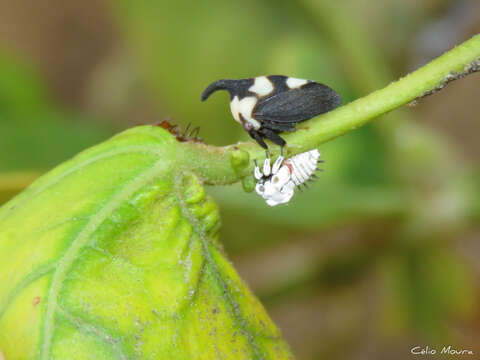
266 166
184 135
195 131
277 164
257 173
273 136
258 138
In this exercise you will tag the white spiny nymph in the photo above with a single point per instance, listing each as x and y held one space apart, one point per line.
276 184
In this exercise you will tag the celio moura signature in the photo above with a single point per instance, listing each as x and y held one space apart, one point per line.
418 350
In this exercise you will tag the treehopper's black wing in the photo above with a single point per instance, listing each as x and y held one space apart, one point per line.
296 105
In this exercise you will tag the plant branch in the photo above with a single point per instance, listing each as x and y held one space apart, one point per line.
451 76
230 164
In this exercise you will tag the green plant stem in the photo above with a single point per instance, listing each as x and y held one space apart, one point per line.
214 165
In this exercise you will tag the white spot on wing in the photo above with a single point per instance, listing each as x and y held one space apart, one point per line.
244 107
294 83
262 86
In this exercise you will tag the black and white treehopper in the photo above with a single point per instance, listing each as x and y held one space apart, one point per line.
269 105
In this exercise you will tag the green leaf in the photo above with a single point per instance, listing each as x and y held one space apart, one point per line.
115 255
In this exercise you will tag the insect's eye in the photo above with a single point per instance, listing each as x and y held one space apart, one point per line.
261 188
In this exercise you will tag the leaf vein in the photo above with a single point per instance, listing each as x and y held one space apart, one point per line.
209 260
129 149
92 329
27 280
80 241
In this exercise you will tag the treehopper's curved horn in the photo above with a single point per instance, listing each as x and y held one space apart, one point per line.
217 85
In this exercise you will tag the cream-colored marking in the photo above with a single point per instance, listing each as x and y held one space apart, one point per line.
266 167
244 107
262 86
294 83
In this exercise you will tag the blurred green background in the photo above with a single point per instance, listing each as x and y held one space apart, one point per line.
382 253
